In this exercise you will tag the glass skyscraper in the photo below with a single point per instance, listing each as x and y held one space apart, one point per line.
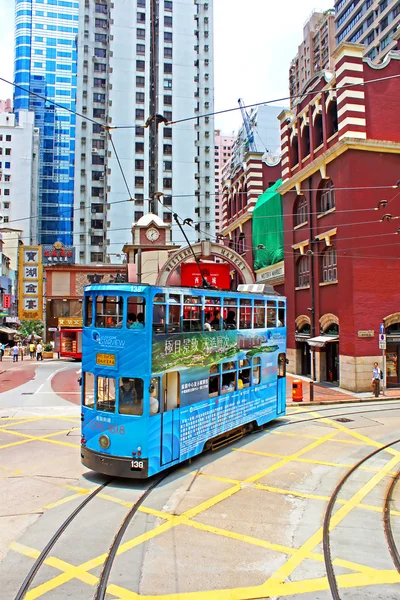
46 64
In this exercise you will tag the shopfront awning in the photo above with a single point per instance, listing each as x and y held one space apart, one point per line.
321 340
7 330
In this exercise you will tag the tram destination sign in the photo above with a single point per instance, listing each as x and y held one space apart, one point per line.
105 360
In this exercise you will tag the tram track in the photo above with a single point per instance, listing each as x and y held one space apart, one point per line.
332 580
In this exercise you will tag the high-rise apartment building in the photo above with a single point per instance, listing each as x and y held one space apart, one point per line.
121 60
222 155
19 170
369 22
45 64
315 51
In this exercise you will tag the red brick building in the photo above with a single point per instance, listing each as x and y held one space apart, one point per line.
340 160
239 197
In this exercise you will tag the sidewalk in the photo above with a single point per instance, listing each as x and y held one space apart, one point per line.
332 395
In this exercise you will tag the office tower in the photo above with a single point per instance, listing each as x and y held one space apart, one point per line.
45 64
370 23
122 59
19 170
222 155
315 51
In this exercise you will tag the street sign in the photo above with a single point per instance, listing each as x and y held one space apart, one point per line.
382 341
382 328
52 328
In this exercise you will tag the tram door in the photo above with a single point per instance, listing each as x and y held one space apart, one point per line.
281 387
170 418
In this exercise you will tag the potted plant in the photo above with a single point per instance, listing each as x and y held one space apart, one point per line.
47 350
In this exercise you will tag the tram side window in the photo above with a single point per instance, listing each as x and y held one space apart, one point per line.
245 314
229 376
271 314
130 396
259 314
230 313
256 370
244 374
136 312
109 311
174 313
213 383
192 313
159 313
281 314
212 314
106 394
281 365
154 395
88 311
88 396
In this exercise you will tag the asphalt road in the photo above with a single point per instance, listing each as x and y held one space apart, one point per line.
244 522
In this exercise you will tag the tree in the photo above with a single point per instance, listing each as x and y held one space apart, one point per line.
29 328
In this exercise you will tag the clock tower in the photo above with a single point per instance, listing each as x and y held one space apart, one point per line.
149 250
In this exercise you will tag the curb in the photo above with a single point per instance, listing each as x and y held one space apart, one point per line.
355 401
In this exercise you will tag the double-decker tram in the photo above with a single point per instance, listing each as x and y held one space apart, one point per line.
170 372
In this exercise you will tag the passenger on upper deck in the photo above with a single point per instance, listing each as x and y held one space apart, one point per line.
216 320
135 322
207 325
230 321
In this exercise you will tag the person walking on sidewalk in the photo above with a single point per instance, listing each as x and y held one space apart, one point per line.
39 350
15 352
32 350
376 380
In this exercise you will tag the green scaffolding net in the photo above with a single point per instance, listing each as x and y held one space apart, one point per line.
268 228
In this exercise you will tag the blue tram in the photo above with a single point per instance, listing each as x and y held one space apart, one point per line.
169 372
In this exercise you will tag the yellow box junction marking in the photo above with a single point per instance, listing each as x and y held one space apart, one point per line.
275 584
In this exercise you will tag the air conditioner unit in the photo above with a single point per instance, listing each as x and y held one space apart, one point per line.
196 159
103 133
101 178
207 209
207 148
94 150
83 171
90 232
82 205
86 32
84 125
84 108
100 244
103 85
101 194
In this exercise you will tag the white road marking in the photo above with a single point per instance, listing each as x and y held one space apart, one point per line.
48 379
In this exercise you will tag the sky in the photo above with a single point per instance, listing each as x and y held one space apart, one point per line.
255 41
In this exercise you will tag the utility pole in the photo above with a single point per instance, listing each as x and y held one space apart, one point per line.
153 106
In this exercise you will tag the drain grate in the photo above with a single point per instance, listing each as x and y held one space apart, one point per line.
27 393
344 420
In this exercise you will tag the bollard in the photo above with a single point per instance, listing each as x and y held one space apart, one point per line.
297 391
311 391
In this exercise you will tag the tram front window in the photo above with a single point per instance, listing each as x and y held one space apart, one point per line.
88 387
106 394
130 401
159 312
109 311
88 311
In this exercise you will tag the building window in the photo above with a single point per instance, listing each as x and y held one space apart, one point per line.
326 200
100 37
99 98
139 182
167 84
96 257
139 131
167 201
329 265
167 182
140 34
6 192
300 211
139 147
167 165
168 36
370 20
167 217
370 38
167 149
331 119
140 49
167 21
100 52
168 6
140 97
140 65
241 249
168 114
139 114
101 8
141 3
8 138
396 11
6 205
139 164
294 151
140 81
98 144
167 52
168 100
168 132
303 272
385 42
8 152
100 22
138 214
98 82
305 142
100 67
141 17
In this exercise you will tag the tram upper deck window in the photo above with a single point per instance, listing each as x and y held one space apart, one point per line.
212 314
192 309
213 383
256 370
88 390
136 312
281 314
271 314
259 314
230 313
88 311
245 319
174 313
130 396
106 394
109 310
159 313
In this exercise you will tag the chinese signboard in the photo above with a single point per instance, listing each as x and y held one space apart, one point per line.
58 254
6 301
216 274
69 322
31 283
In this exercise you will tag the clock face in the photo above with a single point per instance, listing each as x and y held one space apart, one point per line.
152 234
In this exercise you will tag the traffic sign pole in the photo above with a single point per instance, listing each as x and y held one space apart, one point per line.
382 346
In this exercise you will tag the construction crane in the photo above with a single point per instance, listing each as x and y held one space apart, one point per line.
250 144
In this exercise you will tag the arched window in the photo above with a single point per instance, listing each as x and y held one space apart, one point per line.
326 197
329 265
305 142
303 272
318 131
331 119
294 151
300 211
241 249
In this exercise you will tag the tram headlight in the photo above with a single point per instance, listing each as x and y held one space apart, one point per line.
104 441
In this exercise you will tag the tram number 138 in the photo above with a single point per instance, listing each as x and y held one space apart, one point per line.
137 464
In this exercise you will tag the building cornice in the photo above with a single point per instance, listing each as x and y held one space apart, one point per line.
334 152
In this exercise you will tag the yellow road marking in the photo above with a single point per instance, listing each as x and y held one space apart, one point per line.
62 501
315 437
43 438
